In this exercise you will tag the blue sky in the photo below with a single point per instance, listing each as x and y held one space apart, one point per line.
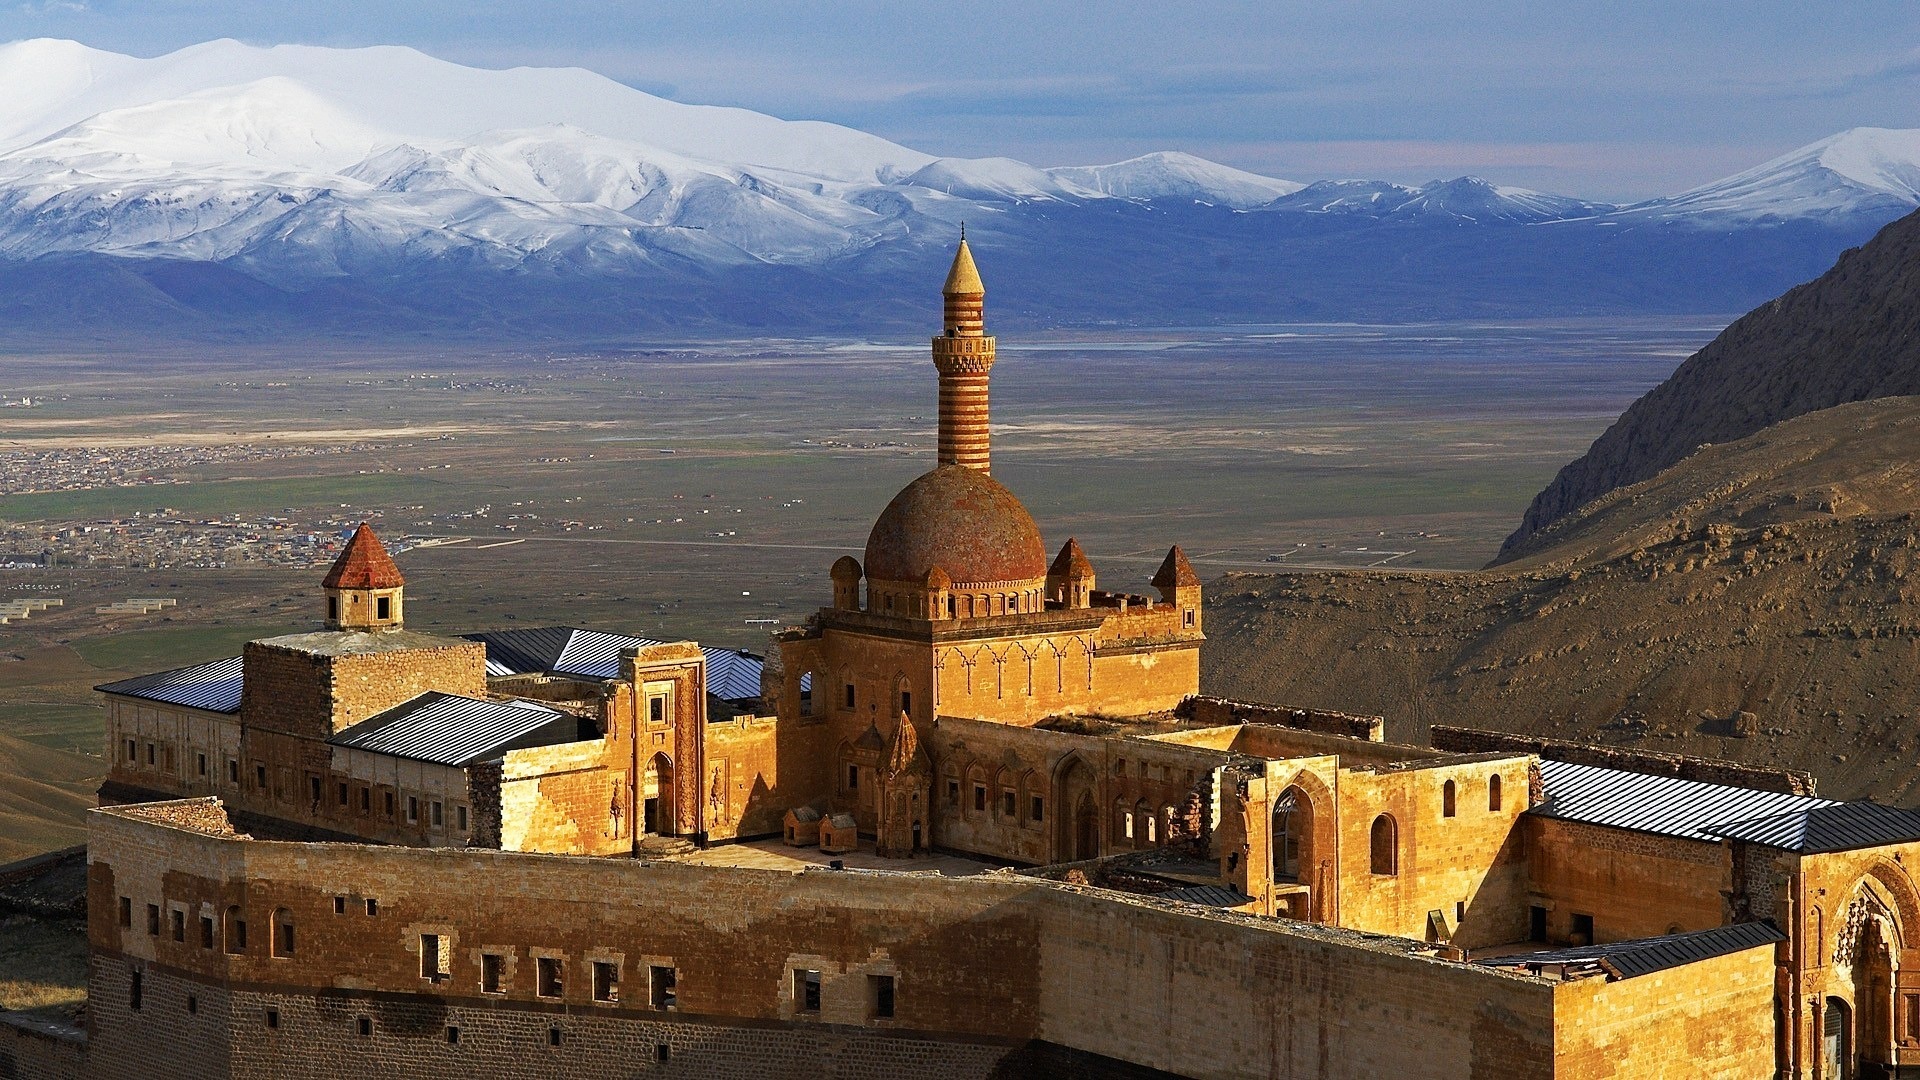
1614 99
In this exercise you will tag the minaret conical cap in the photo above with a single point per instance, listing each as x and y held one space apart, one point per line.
964 278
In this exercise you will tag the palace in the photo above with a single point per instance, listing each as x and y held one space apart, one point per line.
973 818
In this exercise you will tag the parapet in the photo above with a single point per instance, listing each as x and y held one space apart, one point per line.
1221 712
1649 762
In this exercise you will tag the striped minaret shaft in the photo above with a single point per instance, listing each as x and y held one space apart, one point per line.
964 356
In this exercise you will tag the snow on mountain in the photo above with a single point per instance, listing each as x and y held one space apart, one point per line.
1466 200
1172 176
1862 171
1359 197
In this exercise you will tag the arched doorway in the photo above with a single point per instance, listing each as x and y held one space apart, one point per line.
1836 1040
1292 835
1076 833
656 791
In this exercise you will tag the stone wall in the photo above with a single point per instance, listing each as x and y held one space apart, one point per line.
1651 762
981 966
1631 884
36 1050
1713 1018
1223 711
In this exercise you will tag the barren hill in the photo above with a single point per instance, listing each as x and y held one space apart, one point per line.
1851 334
1773 576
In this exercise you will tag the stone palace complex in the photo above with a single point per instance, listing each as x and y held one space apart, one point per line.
370 851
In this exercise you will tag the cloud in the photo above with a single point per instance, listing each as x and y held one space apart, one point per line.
44 8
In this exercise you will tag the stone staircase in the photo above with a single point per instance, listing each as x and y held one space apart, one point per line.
659 847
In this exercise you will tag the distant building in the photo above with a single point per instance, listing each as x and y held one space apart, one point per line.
370 849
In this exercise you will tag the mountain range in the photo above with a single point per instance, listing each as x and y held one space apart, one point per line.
228 189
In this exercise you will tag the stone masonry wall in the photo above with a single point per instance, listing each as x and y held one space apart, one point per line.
1651 762
1632 884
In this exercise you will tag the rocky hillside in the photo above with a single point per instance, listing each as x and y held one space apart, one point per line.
1758 601
1850 335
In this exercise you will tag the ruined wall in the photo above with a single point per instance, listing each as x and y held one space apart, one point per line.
981 966
1651 762
1223 711
1712 1018
1632 884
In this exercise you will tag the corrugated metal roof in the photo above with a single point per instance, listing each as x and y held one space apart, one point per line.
214 686
1840 827
1627 959
452 730
1211 895
1657 804
732 674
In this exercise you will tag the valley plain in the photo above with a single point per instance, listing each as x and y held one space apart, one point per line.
701 490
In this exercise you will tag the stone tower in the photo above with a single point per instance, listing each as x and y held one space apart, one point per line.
364 588
963 354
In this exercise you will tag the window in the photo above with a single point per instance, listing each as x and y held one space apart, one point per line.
656 710
853 778
193 1005
333 609
1582 929
1448 793
1006 803
980 798
233 772
1188 617
259 776
340 794
1036 808
553 1036
383 608
661 993
366 800
1493 792
273 1018
236 931
551 983
849 695
339 905
453 1035
149 753
664 1053
389 797
880 996
134 990
365 1026
373 906
433 958
1385 846
1126 824
153 919
133 750
806 990
1459 912
460 818
313 790
1152 833
606 981
126 911
906 702
413 809
179 925
437 815
200 764
493 973
206 931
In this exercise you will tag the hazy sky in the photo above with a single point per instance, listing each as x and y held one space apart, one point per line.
1615 99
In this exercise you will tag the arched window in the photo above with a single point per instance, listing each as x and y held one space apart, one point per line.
1493 792
283 933
1143 816
1126 821
1386 846
1292 831
1448 804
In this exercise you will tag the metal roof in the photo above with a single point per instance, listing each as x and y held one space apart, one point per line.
1211 895
732 674
1627 959
1840 827
448 729
1689 809
214 687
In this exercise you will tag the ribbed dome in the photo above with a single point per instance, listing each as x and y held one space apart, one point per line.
962 521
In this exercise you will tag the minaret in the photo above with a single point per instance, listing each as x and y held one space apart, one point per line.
964 355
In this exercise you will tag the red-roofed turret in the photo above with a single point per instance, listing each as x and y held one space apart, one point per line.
364 588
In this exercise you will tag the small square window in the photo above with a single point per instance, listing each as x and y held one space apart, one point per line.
133 750
553 1036
200 764
849 695
551 982
233 772
980 798
179 925
273 1018
206 931
656 710
373 906
1036 809
662 1053
413 810
453 1035
438 814
383 608
806 990
366 800
493 973
260 777
365 1025
339 905
313 791
126 911
193 1005
1006 803
853 778
340 793
149 753
153 919
433 958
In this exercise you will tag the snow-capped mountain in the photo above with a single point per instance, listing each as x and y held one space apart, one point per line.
1862 171
225 180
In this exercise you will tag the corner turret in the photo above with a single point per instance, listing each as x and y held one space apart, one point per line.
364 589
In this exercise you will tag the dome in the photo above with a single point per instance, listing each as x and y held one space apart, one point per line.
962 521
